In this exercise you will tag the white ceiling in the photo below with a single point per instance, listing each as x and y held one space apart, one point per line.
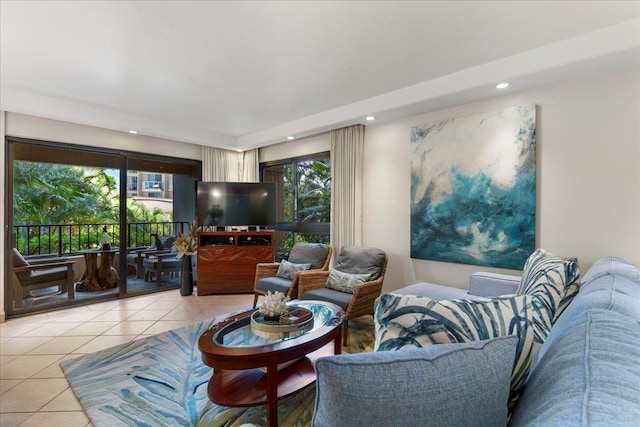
245 74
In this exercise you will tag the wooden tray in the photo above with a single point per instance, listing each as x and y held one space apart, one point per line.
301 316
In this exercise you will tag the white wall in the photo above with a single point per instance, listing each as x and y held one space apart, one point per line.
588 167
296 148
24 126
588 177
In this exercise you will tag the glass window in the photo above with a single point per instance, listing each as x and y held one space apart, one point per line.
304 200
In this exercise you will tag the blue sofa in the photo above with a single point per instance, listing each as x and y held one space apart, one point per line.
586 373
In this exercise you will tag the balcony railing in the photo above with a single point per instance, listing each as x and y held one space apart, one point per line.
67 239
151 185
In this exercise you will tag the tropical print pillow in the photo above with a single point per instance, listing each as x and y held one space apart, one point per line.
345 282
409 320
287 270
554 278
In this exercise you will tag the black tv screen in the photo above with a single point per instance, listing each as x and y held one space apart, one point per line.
237 204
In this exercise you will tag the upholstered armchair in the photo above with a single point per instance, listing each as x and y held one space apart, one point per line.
41 274
283 276
354 282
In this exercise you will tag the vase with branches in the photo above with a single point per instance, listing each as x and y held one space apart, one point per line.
186 244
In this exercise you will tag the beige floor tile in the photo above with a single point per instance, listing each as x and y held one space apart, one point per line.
92 328
114 316
22 345
32 394
61 345
57 419
65 401
14 419
163 326
102 342
133 304
52 329
104 306
181 314
12 329
52 371
83 316
130 327
25 366
6 385
5 358
149 314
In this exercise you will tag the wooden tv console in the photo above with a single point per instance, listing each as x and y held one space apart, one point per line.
227 260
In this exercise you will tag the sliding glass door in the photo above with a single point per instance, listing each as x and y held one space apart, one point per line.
84 223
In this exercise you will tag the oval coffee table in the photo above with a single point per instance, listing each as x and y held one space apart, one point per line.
257 368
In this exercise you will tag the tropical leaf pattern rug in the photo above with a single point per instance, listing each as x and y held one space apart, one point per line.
162 381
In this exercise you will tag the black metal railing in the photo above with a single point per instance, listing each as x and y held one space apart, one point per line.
67 239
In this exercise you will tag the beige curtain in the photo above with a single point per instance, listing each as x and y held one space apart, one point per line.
229 166
347 152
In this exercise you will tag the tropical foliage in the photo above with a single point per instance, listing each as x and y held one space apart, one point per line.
69 205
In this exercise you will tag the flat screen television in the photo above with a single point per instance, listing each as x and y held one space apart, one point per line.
236 204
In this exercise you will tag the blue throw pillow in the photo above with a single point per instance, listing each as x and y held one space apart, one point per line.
409 320
442 385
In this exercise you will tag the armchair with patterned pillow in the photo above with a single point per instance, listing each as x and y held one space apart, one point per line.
354 283
283 276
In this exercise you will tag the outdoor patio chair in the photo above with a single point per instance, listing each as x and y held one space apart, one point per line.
157 263
283 276
353 283
137 255
41 274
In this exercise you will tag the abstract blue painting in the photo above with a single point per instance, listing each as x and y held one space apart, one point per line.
473 189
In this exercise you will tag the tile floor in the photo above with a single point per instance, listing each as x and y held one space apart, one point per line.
33 389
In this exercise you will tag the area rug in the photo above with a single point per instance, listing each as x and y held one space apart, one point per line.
162 381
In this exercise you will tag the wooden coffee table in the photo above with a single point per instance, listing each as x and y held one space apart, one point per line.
246 363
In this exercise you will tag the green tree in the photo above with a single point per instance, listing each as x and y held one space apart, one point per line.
46 193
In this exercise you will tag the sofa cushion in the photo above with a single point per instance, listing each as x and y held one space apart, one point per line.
287 270
361 260
611 283
345 282
408 320
552 277
312 253
443 385
329 295
436 292
588 374
486 284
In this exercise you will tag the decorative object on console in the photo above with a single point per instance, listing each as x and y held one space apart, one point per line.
473 189
187 245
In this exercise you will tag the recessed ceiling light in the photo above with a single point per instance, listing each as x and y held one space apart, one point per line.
239 150
369 118
502 85
135 132
290 138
